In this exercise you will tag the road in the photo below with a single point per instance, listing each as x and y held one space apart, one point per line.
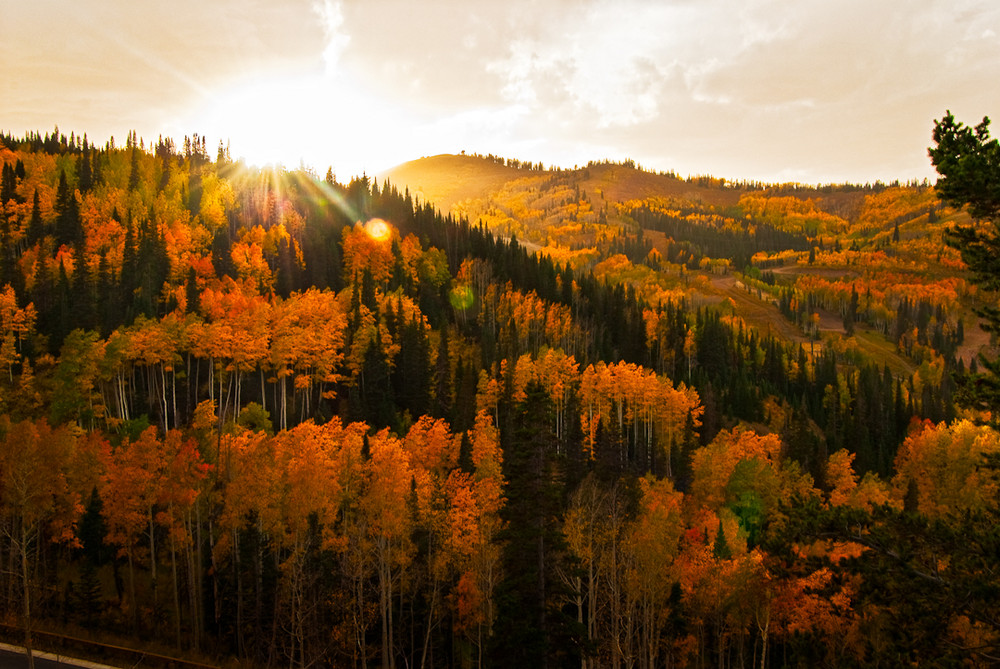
12 657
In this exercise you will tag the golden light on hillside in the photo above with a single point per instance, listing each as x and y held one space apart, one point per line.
378 229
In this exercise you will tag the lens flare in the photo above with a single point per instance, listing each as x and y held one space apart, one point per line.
461 297
378 229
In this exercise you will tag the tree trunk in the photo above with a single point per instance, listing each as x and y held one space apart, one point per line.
152 552
177 598
430 620
131 592
240 644
195 576
163 395
385 603
27 597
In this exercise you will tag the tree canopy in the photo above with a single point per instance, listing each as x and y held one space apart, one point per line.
968 161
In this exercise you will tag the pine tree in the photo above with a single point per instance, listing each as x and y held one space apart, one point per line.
85 173
8 183
412 372
375 403
720 548
531 630
968 162
133 176
35 230
69 230
442 378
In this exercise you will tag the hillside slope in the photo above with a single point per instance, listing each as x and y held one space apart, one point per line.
446 179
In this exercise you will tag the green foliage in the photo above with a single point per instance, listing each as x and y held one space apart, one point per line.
915 574
968 161
720 548
256 418
73 382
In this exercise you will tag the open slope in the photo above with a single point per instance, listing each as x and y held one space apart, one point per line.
447 180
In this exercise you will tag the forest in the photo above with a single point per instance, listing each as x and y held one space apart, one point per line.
257 417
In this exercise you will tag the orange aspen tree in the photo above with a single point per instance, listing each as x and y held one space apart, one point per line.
653 543
37 495
130 487
389 476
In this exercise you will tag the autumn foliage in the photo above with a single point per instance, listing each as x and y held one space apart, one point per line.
294 422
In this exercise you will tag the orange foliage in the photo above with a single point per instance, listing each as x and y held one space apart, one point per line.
363 251
43 477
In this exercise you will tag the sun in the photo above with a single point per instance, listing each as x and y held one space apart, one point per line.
264 120
312 118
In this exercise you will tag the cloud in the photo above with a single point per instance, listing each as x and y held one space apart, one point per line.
600 64
331 17
746 90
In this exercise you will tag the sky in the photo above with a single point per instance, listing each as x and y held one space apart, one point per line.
772 90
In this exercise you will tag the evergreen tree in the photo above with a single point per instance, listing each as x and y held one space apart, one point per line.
530 629
85 173
412 371
8 182
442 378
133 176
95 168
374 402
69 230
35 230
82 297
968 162
720 547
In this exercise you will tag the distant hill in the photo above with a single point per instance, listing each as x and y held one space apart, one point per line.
447 180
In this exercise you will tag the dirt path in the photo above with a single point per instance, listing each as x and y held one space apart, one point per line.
825 272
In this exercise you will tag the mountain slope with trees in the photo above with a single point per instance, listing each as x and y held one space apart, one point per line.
289 421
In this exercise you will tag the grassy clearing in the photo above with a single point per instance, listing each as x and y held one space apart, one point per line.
877 348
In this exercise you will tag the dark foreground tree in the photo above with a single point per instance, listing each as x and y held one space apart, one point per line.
968 161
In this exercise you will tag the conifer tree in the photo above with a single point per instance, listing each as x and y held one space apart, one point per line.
968 162
35 230
8 182
442 377
69 230
85 173
531 630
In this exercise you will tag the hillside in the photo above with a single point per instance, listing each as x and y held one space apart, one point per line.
449 180
259 415
446 179
822 243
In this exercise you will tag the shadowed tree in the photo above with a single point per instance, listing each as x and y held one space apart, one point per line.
968 161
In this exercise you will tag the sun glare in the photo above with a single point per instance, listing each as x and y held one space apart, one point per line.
314 119
325 120
259 120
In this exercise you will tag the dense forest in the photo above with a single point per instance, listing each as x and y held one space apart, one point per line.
259 416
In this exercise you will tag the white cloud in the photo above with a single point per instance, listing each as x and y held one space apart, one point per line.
602 65
331 17
755 89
